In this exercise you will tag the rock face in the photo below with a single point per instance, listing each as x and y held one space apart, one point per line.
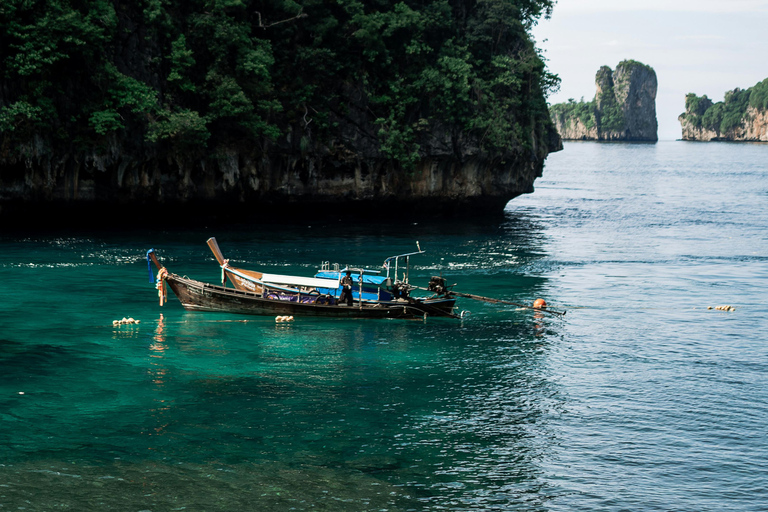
575 128
741 117
753 129
624 108
346 178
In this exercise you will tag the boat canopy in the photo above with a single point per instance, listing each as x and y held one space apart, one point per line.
367 279
309 282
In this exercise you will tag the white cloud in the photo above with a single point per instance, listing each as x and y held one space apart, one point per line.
699 37
697 6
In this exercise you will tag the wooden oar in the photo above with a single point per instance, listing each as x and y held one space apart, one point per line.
215 250
248 275
154 259
499 301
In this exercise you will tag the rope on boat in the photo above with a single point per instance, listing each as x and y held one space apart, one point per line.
224 268
543 309
538 305
162 290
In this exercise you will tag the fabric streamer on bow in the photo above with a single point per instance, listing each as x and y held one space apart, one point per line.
149 266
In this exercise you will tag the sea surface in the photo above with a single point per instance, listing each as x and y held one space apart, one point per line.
639 398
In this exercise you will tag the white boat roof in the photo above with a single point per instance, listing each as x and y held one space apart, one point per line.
311 282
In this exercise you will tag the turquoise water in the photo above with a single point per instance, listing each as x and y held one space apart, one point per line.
641 398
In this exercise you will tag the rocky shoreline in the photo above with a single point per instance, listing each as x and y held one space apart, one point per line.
238 183
741 117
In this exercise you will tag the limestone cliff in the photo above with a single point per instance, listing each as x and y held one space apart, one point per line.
453 176
741 117
624 107
270 109
575 128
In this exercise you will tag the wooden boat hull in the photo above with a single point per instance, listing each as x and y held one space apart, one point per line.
199 296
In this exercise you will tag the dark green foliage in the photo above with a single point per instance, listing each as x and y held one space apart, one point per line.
631 63
695 108
47 46
604 76
612 118
604 112
211 72
185 128
581 110
722 116
758 98
735 108
727 115
697 105
713 117
611 114
608 118
18 115
181 60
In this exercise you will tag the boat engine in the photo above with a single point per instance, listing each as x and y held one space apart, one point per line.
400 290
437 285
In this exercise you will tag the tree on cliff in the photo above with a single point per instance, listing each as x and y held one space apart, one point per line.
186 77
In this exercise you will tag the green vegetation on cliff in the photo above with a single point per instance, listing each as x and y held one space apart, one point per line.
584 111
728 114
609 111
192 74
758 97
608 118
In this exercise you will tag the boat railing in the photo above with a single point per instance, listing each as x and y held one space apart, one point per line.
407 256
325 266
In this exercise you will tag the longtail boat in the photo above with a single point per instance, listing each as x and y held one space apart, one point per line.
259 293
373 288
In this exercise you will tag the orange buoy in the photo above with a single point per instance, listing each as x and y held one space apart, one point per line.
539 303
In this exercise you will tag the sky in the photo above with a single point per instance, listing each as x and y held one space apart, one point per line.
700 46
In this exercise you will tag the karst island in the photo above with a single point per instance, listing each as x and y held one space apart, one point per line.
741 117
624 107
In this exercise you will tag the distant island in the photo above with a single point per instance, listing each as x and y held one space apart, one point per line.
742 116
624 108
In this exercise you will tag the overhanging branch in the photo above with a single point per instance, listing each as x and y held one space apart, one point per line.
262 25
